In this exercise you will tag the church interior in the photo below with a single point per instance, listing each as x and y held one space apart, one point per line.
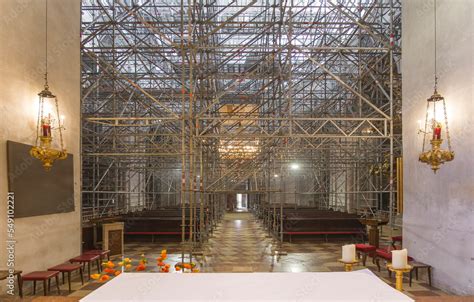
236 150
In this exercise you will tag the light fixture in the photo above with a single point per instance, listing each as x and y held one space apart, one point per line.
48 120
435 121
276 175
294 166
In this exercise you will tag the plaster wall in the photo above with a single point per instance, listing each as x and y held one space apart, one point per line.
438 222
42 241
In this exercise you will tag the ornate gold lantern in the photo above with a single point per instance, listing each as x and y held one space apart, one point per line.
435 122
433 130
49 121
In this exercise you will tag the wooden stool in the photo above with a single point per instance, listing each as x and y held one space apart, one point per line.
42 276
4 275
83 259
415 266
101 253
365 249
68 268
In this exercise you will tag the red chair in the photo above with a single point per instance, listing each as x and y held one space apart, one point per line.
365 250
68 268
42 276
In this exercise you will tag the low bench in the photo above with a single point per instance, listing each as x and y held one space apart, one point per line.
44 276
68 268
87 259
102 254
387 256
4 274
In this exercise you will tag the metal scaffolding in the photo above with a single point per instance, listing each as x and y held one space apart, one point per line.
186 102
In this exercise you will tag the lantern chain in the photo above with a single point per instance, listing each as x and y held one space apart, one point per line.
426 126
447 128
46 47
59 125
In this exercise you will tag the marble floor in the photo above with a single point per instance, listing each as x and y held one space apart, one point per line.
240 244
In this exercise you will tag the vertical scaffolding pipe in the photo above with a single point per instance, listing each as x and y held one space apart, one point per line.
201 196
391 122
192 151
183 137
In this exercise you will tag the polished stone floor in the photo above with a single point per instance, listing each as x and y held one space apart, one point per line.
240 244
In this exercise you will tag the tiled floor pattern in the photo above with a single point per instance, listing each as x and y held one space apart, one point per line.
239 244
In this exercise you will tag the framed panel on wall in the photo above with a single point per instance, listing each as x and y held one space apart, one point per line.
39 192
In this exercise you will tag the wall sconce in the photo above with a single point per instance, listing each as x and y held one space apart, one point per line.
48 120
435 123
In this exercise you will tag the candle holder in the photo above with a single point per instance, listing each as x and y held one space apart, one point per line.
348 265
399 275
46 154
436 156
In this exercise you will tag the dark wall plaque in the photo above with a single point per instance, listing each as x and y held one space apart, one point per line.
115 242
38 192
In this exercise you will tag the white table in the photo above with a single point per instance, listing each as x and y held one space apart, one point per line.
360 285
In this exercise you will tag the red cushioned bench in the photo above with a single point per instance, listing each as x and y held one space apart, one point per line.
387 256
102 254
44 276
68 268
87 259
325 233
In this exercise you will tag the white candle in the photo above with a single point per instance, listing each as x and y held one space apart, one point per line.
348 253
399 259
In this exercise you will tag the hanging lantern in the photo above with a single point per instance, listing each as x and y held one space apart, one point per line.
436 122
49 121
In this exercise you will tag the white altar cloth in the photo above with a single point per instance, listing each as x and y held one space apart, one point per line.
360 285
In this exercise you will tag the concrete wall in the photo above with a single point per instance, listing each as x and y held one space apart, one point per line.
42 241
438 224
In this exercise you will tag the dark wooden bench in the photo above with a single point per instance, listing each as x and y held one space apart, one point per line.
325 233
310 221
161 222
156 233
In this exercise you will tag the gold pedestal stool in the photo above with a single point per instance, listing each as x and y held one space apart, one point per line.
399 275
348 265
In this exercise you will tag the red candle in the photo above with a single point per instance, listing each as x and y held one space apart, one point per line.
437 131
46 130
46 126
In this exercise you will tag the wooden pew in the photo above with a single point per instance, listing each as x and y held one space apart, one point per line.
161 222
310 221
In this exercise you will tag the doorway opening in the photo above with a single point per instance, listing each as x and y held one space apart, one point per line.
242 202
